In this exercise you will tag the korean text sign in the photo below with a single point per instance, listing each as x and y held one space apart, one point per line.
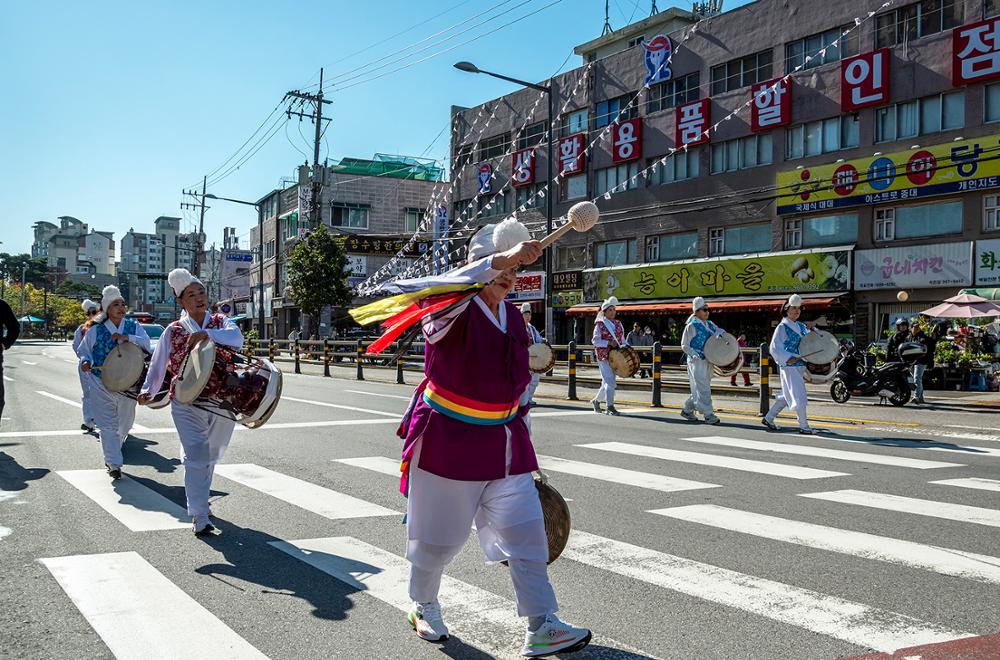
772 104
975 52
529 286
864 80
988 262
914 267
627 141
572 159
693 120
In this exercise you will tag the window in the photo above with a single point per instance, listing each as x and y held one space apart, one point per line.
615 253
463 156
821 230
745 239
411 220
917 20
992 100
671 247
931 114
821 137
611 177
680 166
652 249
571 257
269 249
991 7
742 72
573 187
531 136
635 41
830 41
573 122
991 212
607 112
793 234
289 225
673 92
742 153
928 220
494 147
492 206
528 197
461 209
354 216
885 224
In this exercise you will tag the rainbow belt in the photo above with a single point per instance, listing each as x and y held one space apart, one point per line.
467 410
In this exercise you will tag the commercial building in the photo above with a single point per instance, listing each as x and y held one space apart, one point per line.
818 150
73 251
145 261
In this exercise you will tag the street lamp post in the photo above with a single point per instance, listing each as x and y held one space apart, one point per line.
469 67
260 255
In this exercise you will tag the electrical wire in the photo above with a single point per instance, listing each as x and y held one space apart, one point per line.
250 154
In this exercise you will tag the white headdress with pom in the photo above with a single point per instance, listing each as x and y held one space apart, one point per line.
180 279
497 238
110 294
88 305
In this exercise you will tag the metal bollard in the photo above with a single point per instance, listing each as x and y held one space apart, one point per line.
271 348
765 373
571 358
326 358
361 353
657 386
399 370
298 368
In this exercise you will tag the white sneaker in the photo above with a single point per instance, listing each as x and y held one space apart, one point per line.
202 525
553 637
426 620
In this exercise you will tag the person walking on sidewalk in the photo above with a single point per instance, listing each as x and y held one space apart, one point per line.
742 342
536 338
697 331
11 330
637 338
91 308
608 334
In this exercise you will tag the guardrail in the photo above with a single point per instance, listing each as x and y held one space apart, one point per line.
574 363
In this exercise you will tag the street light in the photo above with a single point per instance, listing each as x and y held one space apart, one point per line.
260 255
469 67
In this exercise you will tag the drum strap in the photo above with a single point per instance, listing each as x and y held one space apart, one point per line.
610 326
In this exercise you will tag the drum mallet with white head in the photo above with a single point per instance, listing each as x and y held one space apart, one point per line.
582 217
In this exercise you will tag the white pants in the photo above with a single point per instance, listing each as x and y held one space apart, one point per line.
533 385
608 383
86 384
700 381
508 518
204 438
792 396
114 415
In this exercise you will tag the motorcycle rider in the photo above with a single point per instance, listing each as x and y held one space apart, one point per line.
902 335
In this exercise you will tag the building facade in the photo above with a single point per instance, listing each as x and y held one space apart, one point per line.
146 258
848 161
73 251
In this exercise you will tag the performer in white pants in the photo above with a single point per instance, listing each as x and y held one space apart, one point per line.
697 331
91 309
204 435
536 338
608 333
113 412
785 353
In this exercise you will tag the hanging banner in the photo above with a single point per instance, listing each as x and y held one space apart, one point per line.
384 246
626 144
988 262
941 169
975 52
772 104
779 272
572 159
523 167
914 267
692 120
864 80
656 57
441 238
529 286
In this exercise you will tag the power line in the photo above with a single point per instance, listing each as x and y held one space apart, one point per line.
273 130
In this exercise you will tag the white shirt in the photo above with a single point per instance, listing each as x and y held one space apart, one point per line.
86 348
228 335
481 271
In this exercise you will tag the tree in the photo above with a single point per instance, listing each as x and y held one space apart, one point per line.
80 290
317 273
11 265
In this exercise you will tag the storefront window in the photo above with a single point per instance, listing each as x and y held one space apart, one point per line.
928 220
571 257
615 253
991 212
677 246
822 230
574 187
992 100
739 240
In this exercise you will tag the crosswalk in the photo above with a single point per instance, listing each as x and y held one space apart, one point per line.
155 607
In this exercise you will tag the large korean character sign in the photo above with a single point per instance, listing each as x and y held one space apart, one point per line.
692 123
975 52
627 141
571 156
864 80
772 104
524 168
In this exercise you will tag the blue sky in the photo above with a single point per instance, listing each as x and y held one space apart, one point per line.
113 107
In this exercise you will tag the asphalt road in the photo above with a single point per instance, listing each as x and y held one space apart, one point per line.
690 541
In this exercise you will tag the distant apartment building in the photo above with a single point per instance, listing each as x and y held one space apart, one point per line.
73 251
146 258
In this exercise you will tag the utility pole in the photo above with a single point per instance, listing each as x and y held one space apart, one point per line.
200 206
316 116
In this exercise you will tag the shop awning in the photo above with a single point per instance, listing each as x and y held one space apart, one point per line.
737 304
237 318
989 294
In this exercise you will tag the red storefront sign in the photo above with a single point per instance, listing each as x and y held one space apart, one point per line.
864 80
523 173
772 104
975 52
692 123
572 160
627 141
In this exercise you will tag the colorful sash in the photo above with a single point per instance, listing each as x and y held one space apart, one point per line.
468 410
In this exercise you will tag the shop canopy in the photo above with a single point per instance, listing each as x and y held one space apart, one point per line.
963 306
30 319
731 304
988 294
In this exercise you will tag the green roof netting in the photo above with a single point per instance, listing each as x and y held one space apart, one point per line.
397 167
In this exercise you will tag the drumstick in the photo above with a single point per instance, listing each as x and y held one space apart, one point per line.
582 217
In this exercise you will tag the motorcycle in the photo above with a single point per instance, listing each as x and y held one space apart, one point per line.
891 381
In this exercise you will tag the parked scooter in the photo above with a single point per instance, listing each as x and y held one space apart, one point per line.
891 381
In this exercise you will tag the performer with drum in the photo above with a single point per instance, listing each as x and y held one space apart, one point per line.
785 352
91 309
536 338
204 435
609 333
697 331
113 413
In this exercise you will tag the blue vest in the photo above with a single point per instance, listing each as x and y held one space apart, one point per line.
705 331
792 341
105 343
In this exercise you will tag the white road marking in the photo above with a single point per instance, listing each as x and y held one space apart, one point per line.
379 464
56 397
69 361
620 476
29 363
387 396
311 497
271 426
822 452
132 504
478 617
971 482
760 467
138 612
945 561
341 407
955 512
820 613
8 378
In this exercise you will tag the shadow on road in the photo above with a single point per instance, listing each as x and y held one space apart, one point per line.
137 451
15 477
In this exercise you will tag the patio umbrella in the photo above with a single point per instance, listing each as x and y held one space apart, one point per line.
30 319
963 306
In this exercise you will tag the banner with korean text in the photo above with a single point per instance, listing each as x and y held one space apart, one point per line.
914 267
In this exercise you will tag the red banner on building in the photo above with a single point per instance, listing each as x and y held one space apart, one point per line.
693 120
864 80
572 160
626 144
772 104
523 173
975 52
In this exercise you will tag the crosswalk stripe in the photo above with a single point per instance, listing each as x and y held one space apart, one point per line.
271 426
822 452
139 508
61 399
374 463
33 364
476 616
316 499
619 475
334 405
746 465
971 482
820 613
945 561
956 512
140 613
387 396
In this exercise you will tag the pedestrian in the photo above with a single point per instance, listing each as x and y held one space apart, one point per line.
536 338
294 335
114 413
785 351
91 309
10 330
901 336
698 330
204 434
608 333
636 338
927 360
742 342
